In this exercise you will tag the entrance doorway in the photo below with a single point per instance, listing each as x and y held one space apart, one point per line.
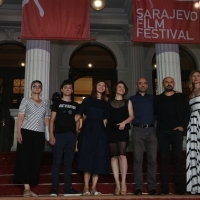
12 59
11 94
88 64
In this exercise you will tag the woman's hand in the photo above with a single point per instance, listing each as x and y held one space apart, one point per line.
19 137
121 125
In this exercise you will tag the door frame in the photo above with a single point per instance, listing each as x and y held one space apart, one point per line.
6 121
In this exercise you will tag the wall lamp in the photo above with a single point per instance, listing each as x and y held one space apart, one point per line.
98 4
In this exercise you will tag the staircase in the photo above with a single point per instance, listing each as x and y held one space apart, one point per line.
105 184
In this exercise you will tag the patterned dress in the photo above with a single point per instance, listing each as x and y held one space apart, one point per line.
193 147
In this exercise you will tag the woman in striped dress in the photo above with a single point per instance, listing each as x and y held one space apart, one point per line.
193 136
32 119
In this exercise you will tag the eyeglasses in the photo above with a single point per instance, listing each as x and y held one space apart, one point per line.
37 86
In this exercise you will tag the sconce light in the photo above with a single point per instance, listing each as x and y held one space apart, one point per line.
98 4
1 2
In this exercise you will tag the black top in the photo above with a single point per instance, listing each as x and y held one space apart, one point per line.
118 112
168 119
172 111
143 107
65 113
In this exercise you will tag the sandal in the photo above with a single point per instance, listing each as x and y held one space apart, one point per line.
123 192
32 194
26 193
95 192
117 191
86 192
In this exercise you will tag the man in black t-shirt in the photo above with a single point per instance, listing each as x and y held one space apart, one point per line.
172 111
63 138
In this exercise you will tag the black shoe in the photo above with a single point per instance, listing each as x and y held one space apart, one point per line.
164 193
153 192
180 192
54 192
138 192
72 192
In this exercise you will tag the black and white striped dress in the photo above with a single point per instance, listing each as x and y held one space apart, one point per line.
193 147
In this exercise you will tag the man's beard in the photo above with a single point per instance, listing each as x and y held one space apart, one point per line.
167 89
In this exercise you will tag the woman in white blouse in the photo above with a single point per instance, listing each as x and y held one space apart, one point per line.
32 119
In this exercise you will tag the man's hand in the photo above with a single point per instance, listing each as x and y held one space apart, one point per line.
180 128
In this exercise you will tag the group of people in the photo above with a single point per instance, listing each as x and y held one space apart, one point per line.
157 123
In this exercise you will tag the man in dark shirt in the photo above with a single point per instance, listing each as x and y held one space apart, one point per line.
144 137
172 111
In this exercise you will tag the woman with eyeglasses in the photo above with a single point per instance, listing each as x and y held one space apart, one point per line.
32 119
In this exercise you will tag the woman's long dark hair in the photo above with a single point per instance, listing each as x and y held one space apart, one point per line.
94 91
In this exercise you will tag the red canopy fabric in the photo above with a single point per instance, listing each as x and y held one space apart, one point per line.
56 19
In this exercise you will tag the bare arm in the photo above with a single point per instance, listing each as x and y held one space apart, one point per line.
129 119
51 128
19 124
77 117
46 122
77 128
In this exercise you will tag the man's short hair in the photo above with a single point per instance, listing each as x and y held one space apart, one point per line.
66 82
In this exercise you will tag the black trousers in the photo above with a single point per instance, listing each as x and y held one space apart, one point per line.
144 139
29 157
175 140
65 144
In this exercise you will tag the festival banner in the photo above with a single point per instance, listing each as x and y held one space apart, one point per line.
56 19
169 21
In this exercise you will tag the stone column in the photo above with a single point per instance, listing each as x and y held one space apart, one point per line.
135 63
136 68
55 62
14 114
168 64
37 66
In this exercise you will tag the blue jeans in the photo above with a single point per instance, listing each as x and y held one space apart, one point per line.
65 143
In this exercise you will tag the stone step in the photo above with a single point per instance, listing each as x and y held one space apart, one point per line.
44 189
78 178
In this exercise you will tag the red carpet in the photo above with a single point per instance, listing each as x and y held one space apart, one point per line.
106 185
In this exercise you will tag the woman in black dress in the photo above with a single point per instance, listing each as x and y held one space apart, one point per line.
121 114
93 156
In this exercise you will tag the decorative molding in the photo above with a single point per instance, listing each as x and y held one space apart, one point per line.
93 35
9 34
